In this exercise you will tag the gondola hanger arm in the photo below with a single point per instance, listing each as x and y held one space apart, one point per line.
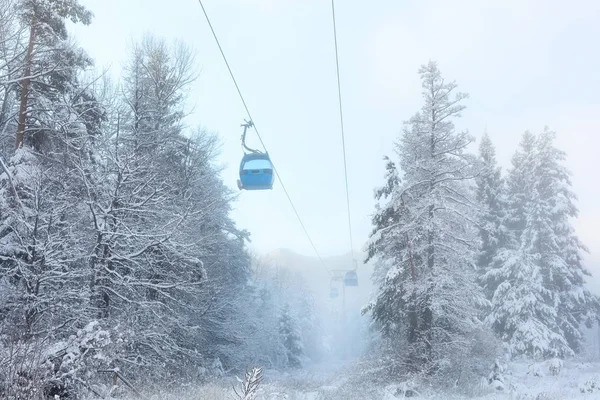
247 125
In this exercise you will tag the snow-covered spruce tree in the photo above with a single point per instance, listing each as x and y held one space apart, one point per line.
562 250
273 287
264 343
290 287
518 183
394 311
288 331
491 197
541 301
424 238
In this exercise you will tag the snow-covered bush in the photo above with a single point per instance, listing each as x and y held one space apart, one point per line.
402 390
496 378
590 386
62 368
555 365
75 362
463 366
536 369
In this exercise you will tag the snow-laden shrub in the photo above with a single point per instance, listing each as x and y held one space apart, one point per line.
403 390
74 362
496 378
536 369
539 369
555 365
590 386
461 367
21 376
33 368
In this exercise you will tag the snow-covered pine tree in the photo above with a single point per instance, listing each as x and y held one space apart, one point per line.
273 286
393 310
49 57
424 237
541 302
561 250
523 310
518 185
11 73
491 197
288 331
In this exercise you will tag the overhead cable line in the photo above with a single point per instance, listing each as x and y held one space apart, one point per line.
337 65
260 138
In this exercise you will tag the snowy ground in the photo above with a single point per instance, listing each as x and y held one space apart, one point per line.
575 380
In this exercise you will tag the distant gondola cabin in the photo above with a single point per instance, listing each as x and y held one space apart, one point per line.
351 279
334 292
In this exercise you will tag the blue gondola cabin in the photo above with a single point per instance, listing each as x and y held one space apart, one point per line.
256 172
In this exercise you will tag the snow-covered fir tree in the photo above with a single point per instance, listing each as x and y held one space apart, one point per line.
424 238
540 301
561 250
518 184
520 313
290 337
491 198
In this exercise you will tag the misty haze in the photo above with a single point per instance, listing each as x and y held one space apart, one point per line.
301 200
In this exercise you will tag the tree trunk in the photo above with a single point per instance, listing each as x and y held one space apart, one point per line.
413 320
427 325
427 316
6 101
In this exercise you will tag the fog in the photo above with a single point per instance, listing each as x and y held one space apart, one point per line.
523 70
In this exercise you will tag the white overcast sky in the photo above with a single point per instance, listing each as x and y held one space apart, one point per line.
524 63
